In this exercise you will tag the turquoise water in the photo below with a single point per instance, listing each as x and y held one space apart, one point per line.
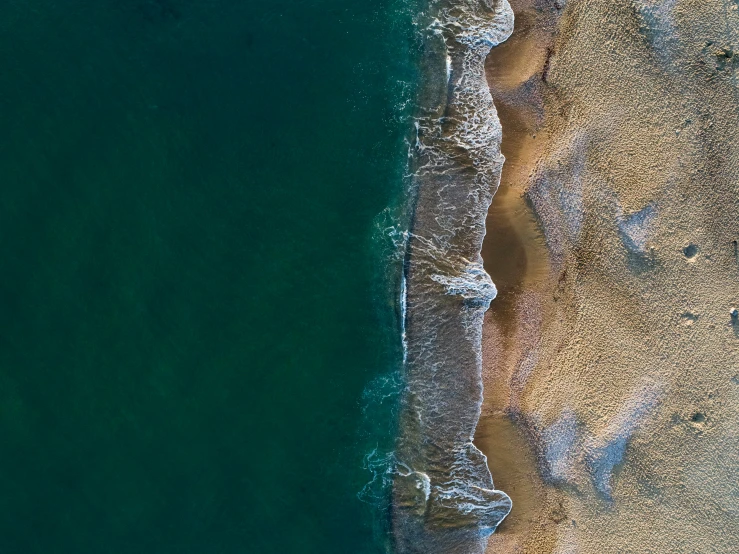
194 296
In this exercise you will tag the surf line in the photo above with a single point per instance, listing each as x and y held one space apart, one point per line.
443 496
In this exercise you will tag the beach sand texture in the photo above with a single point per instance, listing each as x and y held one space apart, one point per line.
611 354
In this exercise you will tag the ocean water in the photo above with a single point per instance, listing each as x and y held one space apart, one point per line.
199 333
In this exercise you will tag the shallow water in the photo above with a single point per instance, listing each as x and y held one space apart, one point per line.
444 498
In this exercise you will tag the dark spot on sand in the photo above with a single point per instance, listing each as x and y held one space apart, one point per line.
559 514
547 64
690 251
688 318
698 417
724 57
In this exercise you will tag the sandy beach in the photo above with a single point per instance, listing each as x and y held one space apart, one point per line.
611 354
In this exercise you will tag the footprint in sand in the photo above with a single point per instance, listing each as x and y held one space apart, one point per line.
688 318
691 251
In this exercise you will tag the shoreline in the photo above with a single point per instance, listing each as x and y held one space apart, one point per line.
443 495
517 258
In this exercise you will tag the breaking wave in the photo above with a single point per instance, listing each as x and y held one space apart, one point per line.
443 497
434 484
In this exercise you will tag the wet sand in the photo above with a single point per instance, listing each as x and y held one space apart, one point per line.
611 354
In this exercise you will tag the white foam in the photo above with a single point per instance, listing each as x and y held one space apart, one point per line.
456 170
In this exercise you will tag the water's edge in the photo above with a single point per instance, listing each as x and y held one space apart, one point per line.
443 497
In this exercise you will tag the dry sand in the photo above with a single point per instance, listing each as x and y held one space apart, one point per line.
611 355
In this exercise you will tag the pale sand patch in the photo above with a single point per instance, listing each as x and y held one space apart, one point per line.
611 355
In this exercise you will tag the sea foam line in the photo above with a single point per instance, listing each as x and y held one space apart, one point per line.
444 499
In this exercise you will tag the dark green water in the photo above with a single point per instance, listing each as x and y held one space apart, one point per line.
191 306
